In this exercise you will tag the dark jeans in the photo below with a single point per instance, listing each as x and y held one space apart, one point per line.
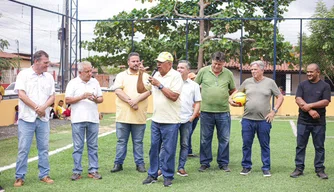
193 127
318 136
165 160
262 129
222 122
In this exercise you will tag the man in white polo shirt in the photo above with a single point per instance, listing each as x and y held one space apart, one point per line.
84 93
35 87
166 86
190 104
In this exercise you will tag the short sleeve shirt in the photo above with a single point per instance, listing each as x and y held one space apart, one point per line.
164 109
258 95
84 110
189 95
215 89
38 88
310 93
127 81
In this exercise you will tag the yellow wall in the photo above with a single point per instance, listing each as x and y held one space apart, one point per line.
7 111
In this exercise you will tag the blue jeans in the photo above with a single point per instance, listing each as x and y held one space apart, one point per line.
193 127
123 131
166 134
26 131
185 129
222 121
78 136
318 136
262 129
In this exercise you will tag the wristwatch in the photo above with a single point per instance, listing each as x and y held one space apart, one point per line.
275 110
160 86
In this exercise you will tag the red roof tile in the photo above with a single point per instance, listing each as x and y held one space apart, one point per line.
284 67
11 56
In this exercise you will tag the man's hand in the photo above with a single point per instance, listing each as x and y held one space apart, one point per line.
154 81
234 104
305 107
270 117
314 114
40 110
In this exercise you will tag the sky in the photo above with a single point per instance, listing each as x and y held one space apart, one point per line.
15 21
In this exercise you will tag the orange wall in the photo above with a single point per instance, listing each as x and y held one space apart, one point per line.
7 112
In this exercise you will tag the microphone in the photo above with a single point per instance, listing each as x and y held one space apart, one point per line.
154 71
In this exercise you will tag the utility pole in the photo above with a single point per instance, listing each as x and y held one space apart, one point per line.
64 43
18 55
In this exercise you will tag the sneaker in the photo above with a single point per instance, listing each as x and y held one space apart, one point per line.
116 168
149 180
182 173
2 189
47 180
266 173
245 171
322 175
160 173
167 182
94 175
203 168
76 176
296 173
19 182
141 168
225 168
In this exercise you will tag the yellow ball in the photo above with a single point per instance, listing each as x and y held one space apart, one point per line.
239 98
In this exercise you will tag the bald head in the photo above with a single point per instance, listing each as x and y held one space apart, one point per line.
313 72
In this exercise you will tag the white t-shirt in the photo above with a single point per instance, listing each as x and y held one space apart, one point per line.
84 110
38 88
189 95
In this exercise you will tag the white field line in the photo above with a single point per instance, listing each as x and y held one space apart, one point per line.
13 165
294 128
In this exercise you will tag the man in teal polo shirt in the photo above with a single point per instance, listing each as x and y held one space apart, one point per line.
217 85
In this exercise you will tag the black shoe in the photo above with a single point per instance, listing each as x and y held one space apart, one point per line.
203 168
245 171
117 167
141 168
296 173
167 183
149 180
225 168
322 175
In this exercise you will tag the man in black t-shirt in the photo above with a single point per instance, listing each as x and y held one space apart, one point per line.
312 97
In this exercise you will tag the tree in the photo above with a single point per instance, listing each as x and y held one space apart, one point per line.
319 46
207 33
4 63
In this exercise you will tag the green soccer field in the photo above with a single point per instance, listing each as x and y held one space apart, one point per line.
282 160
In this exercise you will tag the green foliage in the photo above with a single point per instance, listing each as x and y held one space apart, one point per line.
5 63
115 37
319 46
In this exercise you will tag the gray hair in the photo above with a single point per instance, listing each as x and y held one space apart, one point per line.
186 62
258 63
83 64
37 56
